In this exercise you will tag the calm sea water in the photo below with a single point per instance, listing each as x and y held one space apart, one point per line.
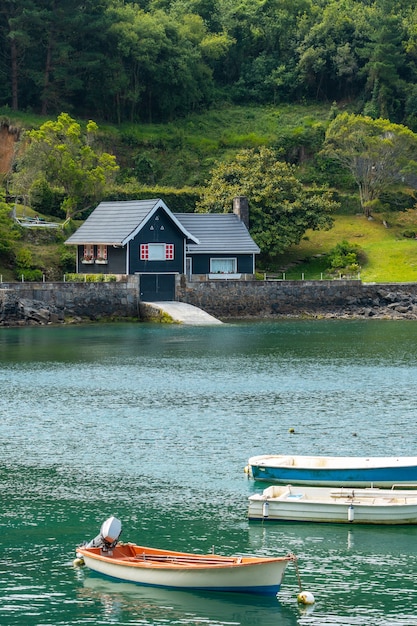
155 425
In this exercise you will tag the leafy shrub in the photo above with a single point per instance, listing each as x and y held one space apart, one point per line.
144 168
178 200
29 275
94 278
67 260
74 278
90 278
23 259
24 267
44 199
345 258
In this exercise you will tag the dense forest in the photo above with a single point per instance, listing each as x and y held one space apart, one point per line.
307 108
154 60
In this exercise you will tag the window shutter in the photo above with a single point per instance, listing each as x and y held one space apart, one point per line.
169 252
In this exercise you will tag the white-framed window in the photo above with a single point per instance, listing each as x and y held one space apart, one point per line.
156 252
223 266
102 252
88 252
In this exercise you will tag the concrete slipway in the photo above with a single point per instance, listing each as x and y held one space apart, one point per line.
180 312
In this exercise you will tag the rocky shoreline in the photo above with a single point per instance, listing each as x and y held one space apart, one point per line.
390 305
394 306
24 312
387 305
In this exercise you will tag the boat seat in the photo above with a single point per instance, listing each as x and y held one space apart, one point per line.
285 461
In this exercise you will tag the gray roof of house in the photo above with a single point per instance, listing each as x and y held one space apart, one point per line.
218 233
115 223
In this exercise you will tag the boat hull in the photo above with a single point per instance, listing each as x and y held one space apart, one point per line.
258 576
334 472
316 504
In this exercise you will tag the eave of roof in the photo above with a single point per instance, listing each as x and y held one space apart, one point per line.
116 223
218 233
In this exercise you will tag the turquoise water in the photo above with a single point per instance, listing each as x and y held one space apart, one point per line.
155 424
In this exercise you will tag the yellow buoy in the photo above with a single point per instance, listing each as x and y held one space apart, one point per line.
305 597
78 562
291 430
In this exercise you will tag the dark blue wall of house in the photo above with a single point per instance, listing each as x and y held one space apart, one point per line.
159 229
116 262
201 262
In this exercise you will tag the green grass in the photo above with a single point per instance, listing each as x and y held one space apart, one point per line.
181 154
389 256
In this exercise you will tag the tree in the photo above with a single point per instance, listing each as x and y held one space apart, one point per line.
380 155
61 154
259 65
326 60
384 67
15 21
71 39
9 232
281 209
50 49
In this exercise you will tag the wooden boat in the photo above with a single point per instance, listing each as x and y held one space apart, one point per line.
180 570
343 505
330 471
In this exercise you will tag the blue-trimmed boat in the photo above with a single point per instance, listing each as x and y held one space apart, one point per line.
329 471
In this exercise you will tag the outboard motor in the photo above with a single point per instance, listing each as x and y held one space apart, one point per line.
110 532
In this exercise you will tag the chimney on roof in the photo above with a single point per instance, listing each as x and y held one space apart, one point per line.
241 209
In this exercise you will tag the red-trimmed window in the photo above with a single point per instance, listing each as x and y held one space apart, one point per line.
144 252
102 252
88 252
156 252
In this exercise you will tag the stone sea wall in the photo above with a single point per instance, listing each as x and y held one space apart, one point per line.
45 303
51 303
338 298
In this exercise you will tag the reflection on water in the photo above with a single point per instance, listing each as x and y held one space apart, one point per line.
157 606
364 572
154 424
388 540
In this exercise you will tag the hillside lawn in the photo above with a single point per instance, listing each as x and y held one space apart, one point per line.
182 153
390 257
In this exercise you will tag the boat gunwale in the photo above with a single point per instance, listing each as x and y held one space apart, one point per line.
194 562
326 463
367 497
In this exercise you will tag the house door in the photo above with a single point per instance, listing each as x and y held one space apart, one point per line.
157 287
